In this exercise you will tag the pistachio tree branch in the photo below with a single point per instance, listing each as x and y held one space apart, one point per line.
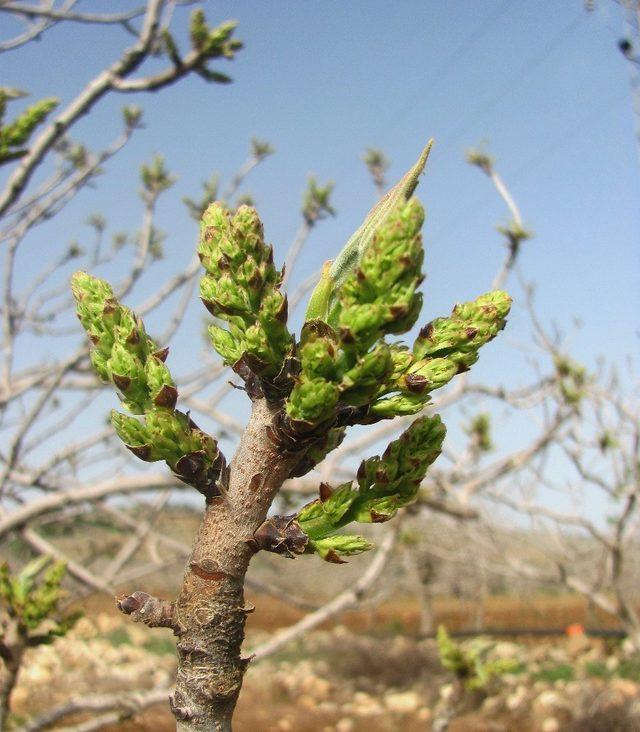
75 569
316 207
207 44
61 499
42 11
515 232
121 706
80 106
343 601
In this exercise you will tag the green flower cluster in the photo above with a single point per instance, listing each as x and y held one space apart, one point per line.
32 600
213 42
339 361
473 665
15 135
207 43
479 430
345 361
124 355
572 380
242 287
384 484
445 347
460 336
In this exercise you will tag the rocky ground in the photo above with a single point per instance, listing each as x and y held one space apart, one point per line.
340 681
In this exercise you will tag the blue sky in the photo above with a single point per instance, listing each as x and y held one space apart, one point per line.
542 84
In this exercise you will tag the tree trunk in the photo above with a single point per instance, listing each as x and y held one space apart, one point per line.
8 678
427 615
12 647
210 613
480 599
424 569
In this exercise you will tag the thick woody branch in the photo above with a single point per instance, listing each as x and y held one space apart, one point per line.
211 610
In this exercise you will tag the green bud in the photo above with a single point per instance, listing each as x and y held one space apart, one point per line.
398 405
316 203
91 295
223 296
378 510
312 400
16 134
385 484
402 467
428 375
340 545
125 355
100 365
273 316
396 253
128 374
471 663
32 595
229 346
135 436
250 233
257 344
371 292
470 326
198 29
318 355
324 297
308 514
155 178
162 389
362 381
480 432
362 324
452 656
339 502
121 346
320 518
241 287
401 359
170 434
380 296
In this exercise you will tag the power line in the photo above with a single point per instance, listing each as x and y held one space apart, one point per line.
569 133
442 72
527 67
524 70
448 65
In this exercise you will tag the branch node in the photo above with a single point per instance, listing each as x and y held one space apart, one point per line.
281 535
152 611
